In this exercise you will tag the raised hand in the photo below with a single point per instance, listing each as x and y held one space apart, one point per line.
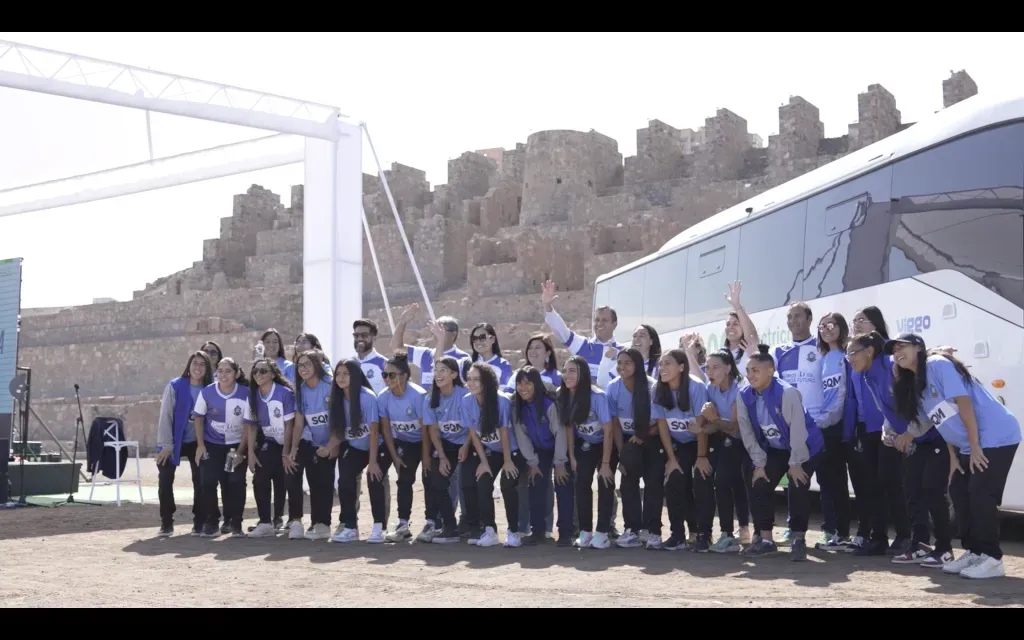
547 292
733 297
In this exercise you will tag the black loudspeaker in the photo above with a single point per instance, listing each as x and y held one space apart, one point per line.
5 485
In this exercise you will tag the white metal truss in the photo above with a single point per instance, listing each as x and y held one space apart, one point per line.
332 153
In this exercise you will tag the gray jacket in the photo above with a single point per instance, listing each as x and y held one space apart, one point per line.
165 423
557 430
793 414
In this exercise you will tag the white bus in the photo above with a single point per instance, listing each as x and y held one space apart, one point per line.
927 224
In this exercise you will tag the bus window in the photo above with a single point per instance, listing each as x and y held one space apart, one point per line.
626 296
771 257
711 266
664 292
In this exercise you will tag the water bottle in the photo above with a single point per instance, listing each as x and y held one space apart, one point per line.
258 351
229 461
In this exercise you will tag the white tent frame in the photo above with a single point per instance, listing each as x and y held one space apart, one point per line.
319 136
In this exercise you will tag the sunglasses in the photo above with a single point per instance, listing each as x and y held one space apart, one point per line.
828 326
390 374
480 337
850 354
261 371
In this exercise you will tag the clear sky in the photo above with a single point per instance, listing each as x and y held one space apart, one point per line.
426 98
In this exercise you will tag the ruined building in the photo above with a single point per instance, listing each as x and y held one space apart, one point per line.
563 205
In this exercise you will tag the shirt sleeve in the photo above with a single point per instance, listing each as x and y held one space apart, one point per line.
165 423
200 408
793 414
371 408
604 416
606 371
757 454
571 341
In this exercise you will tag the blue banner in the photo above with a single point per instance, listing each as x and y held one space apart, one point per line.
10 308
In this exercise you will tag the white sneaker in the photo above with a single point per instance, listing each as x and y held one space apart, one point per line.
377 534
653 541
428 533
295 530
263 530
989 567
628 540
600 541
961 563
319 532
346 535
488 539
642 536
512 540
400 534
584 540
338 529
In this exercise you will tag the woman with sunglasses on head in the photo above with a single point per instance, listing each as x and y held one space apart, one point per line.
583 409
311 432
450 440
982 438
220 429
176 439
543 441
636 437
883 464
733 469
782 439
270 415
355 434
400 407
837 422
495 451
689 476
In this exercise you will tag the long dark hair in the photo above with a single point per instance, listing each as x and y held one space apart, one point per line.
551 363
400 361
663 392
729 361
317 358
452 365
280 342
874 314
655 355
208 376
873 340
240 378
641 391
844 332
908 386
314 342
336 417
495 349
574 406
254 389
220 352
489 390
730 347
532 375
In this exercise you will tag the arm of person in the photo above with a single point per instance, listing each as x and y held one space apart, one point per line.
666 440
478 446
561 437
525 444
793 414
426 447
198 424
606 369
297 427
398 338
750 443
165 422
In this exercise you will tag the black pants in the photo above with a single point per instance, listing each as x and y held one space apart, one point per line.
865 473
679 491
165 491
732 484
269 473
833 483
977 497
232 485
411 454
762 494
539 490
509 491
319 473
890 469
350 464
588 463
439 485
645 461
926 474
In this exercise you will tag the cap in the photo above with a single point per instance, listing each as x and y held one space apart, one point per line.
906 338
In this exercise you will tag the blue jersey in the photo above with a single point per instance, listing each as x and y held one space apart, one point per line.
373 369
447 416
316 404
679 421
405 412
469 412
833 389
799 364
724 401
273 410
620 403
592 430
223 414
358 437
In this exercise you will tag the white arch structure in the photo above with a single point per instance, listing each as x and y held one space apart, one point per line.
318 135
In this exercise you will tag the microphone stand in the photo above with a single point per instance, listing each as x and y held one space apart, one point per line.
79 426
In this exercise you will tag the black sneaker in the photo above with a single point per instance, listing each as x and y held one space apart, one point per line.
798 550
761 547
871 548
448 535
166 531
236 531
225 528
209 531
674 543
565 541
532 540
279 525
197 530
899 546
703 543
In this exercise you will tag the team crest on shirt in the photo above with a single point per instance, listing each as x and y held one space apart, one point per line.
811 356
933 390
277 412
369 374
213 410
409 412
238 411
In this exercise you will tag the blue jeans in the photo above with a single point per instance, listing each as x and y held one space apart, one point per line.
542 488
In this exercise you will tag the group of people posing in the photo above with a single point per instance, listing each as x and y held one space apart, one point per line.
702 432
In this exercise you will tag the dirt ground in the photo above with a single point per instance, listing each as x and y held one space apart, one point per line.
84 555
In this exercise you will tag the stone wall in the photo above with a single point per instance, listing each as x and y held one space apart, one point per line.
564 206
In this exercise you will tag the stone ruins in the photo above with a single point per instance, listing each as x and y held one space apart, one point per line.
565 205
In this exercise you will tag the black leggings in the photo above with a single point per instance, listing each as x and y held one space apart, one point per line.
679 491
411 454
270 471
439 485
509 491
926 475
762 494
732 484
350 465
319 472
588 463
645 461
976 498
